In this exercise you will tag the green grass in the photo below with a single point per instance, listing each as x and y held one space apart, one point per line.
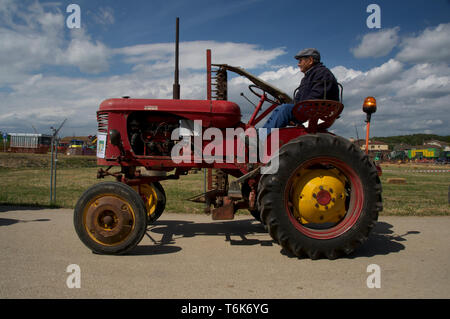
31 187
23 160
21 183
25 180
423 194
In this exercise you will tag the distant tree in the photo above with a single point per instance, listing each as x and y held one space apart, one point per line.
414 139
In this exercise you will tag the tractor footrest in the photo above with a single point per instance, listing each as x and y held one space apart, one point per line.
225 212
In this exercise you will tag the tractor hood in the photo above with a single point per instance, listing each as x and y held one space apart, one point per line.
215 113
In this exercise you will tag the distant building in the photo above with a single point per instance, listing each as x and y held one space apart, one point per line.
436 143
377 150
29 143
80 139
79 145
430 150
374 146
424 152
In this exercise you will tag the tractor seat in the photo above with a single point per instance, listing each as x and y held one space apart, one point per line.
314 110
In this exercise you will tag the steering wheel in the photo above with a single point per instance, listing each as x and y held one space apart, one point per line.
273 101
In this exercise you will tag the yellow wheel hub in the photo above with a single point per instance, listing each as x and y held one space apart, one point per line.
149 196
318 196
109 219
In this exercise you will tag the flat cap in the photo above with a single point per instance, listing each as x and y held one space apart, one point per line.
308 52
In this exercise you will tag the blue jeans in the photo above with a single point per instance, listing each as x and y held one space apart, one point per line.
280 117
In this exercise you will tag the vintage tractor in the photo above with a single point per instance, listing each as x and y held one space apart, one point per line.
321 201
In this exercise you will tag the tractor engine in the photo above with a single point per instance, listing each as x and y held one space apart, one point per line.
150 135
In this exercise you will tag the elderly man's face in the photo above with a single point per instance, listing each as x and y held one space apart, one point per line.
305 63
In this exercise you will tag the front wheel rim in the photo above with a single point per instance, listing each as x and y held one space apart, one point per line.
109 220
149 196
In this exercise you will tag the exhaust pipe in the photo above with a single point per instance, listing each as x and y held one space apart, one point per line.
176 85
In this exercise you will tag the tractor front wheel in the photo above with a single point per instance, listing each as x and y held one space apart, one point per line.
154 198
324 198
110 218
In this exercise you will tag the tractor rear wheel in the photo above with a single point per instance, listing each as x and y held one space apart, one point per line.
324 199
110 218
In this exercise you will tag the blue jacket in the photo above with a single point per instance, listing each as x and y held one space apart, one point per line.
316 82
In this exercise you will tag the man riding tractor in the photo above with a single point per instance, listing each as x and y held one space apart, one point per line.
322 200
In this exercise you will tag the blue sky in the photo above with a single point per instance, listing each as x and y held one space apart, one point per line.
49 72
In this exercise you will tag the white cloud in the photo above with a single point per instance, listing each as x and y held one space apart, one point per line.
192 54
33 36
29 39
89 57
377 44
383 74
432 45
79 97
376 80
287 77
411 98
431 86
344 74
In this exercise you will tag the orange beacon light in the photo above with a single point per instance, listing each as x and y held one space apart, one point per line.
369 107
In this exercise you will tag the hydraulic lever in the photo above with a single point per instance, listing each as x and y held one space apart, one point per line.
242 94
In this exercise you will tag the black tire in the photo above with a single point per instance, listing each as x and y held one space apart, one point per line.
115 216
161 202
361 203
255 213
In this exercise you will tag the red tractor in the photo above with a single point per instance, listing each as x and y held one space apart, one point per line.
322 201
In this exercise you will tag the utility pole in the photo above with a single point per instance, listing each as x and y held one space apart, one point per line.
54 160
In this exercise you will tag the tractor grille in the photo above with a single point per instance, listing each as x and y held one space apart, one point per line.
102 120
